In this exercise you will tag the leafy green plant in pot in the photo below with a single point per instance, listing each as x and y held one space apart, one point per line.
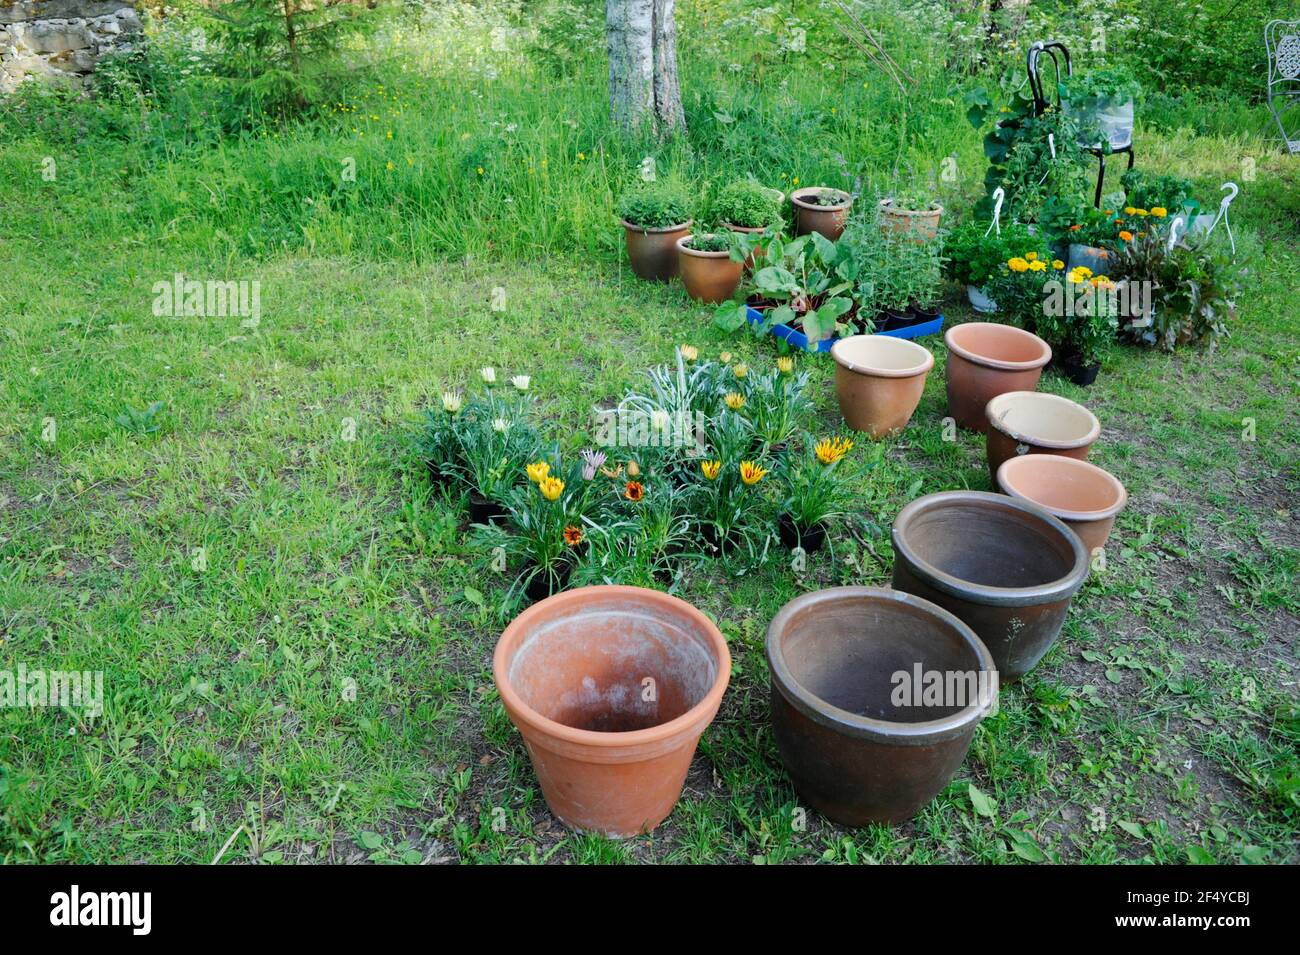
727 495
654 216
1101 102
975 253
1079 233
1079 319
1019 287
911 212
496 440
815 493
822 210
745 206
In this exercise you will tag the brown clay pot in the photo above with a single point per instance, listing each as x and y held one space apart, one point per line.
1006 567
709 277
652 253
922 224
810 217
878 381
1086 498
856 750
1031 422
986 359
611 688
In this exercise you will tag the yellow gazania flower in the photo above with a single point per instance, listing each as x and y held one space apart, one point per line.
551 487
1018 264
830 450
751 473
1159 211
785 364
734 400
740 370
690 352
572 535
1058 264
538 472
710 469
1038 265
1031 256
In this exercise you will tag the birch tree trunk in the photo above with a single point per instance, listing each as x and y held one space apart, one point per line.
643 87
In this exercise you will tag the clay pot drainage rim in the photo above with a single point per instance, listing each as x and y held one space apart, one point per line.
882 356
1063 465
570 603
1028 339
987 594
1028 416
864 727
797 198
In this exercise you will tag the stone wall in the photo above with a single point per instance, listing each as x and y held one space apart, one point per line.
61 40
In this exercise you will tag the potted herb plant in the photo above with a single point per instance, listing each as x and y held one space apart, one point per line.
1019 285
814 494
821 209
654 216
911 212
711 265
1101 101
975 253
1082 332
745 206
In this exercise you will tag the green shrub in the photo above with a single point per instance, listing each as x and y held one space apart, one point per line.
655 205
710 242
974 258
1114 84
1147 190
746 204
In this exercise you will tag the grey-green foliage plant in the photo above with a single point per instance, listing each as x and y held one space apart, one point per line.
746 204
711 242
655 205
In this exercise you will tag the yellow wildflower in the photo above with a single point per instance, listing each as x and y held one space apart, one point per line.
538 472
785 364
734 400
551 487
690 352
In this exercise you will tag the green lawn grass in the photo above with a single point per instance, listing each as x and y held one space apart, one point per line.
317 686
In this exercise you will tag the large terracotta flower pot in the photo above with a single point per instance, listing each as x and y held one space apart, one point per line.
652 253
1006 567
611 688
986 359
708 276
1030 422
857 748
921 224
879 380
813 217
1086 498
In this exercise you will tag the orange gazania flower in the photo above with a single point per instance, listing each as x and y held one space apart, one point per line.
751 473
634 491
572 535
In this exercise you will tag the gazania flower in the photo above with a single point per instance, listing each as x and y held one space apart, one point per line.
488 374
1159 211
500 425
734 400
830 450
740 370
451 401
1126 235
751 473
538 472
785 364
689 352
1058 264
710 469
521 382
592 461
551 487
572 535
612 472
634 490
633 469
725 358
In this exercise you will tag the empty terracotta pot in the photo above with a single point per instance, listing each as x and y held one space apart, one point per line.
812 217
878 381
922 224
652 253
1030 422
986 359
858 748
611 688
1006 567
1086 498
708 276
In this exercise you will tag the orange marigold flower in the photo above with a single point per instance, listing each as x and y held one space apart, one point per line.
1126 235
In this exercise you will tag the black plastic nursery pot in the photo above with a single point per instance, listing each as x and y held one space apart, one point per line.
792 535
921 314
484 510
542 585
1077 370
892 320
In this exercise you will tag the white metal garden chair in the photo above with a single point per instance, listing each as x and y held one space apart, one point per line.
1282 40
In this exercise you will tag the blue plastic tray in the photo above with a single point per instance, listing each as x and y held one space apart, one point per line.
797 339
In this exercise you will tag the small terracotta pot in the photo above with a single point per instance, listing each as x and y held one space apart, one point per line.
1031 422
611 688
986 359
878 381
652 253
708 276
1006 567
923 224
810 217
856 749
1086 498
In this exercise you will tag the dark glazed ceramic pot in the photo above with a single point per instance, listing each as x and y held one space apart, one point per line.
857 751
652 253
1005 566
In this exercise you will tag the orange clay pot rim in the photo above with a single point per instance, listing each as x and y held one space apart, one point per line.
579 598
632 227
994 407
1007 470
796 198
978 359
924 364
699 253
887 205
